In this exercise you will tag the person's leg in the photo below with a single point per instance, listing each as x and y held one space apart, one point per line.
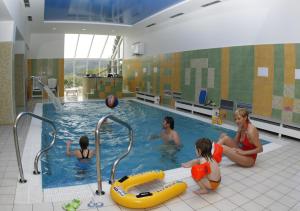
204 185
241 160
226 140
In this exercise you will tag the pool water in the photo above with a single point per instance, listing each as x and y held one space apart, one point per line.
80 118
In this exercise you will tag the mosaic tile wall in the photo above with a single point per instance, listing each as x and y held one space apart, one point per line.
7 100
100 88
19 80
227 73
47 68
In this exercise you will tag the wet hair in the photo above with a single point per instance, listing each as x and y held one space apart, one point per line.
170 121
204 145
243 112
84 142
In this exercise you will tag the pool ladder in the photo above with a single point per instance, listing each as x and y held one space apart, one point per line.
37 157
98 145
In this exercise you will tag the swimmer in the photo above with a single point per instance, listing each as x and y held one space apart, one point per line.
84 152
168 134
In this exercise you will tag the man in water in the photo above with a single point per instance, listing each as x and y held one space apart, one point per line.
168 134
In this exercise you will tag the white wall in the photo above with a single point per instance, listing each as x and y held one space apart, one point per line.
7 31
46 46
14 7
230 23
19 47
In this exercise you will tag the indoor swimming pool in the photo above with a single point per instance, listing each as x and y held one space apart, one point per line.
80 118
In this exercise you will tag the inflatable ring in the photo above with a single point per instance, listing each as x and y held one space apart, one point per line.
119 190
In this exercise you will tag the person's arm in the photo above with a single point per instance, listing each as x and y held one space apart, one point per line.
68 151
253 137
190 163
176 138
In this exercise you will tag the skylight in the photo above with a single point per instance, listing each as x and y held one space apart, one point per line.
85 46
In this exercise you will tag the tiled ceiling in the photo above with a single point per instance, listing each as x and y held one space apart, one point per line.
125 12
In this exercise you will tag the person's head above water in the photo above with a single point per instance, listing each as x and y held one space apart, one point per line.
84 142
169 120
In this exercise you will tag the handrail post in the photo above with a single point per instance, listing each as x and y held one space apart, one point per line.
98 147
16 141
22 179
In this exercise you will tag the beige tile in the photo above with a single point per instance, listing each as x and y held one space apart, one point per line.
179 206
225 204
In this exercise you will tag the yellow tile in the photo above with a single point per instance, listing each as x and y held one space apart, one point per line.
225 60
289 63
288 103
263 86
29 67
102 95
107 89
61 77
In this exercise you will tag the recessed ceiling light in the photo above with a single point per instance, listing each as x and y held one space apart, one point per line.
152 24
54 28
211 3
83 29
176 15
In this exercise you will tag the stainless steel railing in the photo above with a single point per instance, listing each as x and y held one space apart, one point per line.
16 140
98 144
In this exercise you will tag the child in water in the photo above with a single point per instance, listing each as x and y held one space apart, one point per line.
84 152
207 175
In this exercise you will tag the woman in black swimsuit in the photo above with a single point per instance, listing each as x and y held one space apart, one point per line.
84 152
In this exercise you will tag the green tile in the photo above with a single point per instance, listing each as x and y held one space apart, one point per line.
241 73
296 118
278 83
276 114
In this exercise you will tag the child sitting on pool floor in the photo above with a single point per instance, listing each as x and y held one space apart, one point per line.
84 152
205 170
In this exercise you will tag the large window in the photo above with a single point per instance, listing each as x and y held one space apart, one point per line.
90 54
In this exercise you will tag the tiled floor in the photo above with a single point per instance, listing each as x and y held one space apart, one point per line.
272 184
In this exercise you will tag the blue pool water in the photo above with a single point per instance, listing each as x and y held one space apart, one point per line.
81 118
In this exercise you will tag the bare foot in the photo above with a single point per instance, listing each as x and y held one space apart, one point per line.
200 192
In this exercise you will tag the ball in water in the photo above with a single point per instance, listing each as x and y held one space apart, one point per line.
111 101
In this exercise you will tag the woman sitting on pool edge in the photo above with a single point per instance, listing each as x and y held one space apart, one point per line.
243 149
84 152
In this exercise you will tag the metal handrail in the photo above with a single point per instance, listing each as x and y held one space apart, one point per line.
16 140
98 144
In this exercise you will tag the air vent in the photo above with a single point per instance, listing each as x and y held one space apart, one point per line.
176 15
26 3
29 18
210 3
152 24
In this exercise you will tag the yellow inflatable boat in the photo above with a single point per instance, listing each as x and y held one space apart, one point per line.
119 190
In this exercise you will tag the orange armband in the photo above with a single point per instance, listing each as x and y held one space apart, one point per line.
200 170
217 154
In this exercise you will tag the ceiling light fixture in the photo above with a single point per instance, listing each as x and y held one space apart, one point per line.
152 24
54 28
211 3
83 29
176 15
26 3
